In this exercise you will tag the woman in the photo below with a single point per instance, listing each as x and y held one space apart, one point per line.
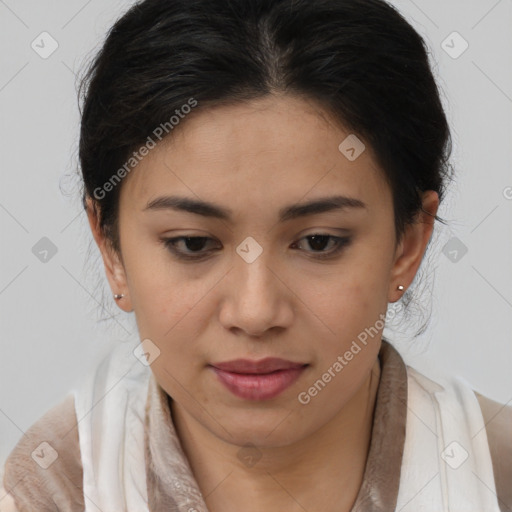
262 179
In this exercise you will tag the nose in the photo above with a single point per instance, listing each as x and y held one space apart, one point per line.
256 298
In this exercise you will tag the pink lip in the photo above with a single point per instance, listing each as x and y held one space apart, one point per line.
258 380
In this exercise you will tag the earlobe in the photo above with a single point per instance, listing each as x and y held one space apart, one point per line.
412 246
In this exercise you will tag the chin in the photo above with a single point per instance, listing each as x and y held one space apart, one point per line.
258 428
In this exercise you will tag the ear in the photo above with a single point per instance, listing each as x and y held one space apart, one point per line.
412 247
114 267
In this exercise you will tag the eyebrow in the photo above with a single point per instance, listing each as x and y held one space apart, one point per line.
293 211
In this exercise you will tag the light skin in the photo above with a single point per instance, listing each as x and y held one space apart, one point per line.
255 159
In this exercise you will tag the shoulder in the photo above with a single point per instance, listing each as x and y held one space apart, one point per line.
498 427
498 423
44 470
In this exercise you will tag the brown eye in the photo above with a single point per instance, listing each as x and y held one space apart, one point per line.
190 245
319 241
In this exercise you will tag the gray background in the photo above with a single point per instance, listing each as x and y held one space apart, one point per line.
53 328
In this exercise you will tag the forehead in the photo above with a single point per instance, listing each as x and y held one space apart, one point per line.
258 152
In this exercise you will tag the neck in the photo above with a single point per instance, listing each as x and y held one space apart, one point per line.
329 463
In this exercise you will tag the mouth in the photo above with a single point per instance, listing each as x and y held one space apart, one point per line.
258 380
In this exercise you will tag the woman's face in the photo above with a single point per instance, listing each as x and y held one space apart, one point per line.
256 286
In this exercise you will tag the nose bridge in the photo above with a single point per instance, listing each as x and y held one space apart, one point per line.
255 295
253 269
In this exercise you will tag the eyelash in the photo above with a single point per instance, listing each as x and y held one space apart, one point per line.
169 243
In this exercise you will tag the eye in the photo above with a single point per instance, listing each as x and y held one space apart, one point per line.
193 243
192 246
318 241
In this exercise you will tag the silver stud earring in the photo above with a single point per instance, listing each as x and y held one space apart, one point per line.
400 287
118 296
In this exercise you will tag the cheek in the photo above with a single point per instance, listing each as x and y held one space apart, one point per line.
161 292
334 384
173 313
344 303
348 310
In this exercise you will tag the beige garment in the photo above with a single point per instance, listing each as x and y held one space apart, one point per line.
59 487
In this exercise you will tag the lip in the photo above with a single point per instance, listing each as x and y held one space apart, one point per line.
248 366
258 380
